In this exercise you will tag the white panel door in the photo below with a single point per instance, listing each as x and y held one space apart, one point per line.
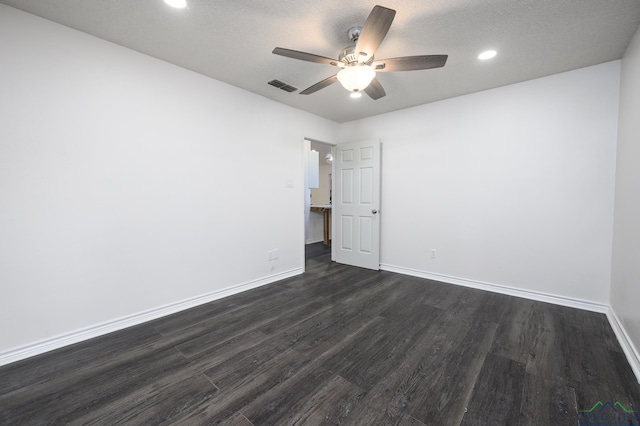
356 204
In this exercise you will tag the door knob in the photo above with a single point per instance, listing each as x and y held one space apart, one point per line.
374 211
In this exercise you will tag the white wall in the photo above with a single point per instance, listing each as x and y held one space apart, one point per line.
320 195
625 276
512 186
127 183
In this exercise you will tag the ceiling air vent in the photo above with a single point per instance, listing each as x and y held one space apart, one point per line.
282 86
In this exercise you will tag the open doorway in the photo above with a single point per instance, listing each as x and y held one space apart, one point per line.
318 199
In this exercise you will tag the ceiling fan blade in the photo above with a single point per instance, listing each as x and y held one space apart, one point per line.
410 63
303 56
320 85
374 30
375 89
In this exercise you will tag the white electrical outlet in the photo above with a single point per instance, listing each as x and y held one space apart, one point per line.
433 253
273 255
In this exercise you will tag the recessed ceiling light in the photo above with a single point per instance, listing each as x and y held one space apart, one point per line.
178 4
487 54
355 95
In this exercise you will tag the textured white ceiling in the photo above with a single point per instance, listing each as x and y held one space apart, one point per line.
232 40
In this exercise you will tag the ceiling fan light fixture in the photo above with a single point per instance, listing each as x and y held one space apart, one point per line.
356 95
356 78
487 54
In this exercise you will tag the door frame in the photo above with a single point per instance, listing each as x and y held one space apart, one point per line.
306 146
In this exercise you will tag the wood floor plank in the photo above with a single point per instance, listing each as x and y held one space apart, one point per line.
331 404
157 403
350 296
240 384
598 327
250 381
314 335
378 350
89 356
69 397
585 357
273 408
444 295
287 376
349 286
245 363
546 351
408 296
212 332
547 402
525 332
172 324
318 332
439 391
237 419
331 278
497 395
225 352
306 310
491 306
376 406
407 420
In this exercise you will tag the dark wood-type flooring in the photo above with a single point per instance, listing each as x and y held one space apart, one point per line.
337 345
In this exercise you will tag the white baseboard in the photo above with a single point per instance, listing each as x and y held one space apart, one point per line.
497 288
66 339
315 240
630 351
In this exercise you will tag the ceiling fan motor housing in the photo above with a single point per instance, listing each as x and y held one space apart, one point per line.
349 56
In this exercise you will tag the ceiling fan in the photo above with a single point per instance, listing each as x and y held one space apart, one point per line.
357 63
